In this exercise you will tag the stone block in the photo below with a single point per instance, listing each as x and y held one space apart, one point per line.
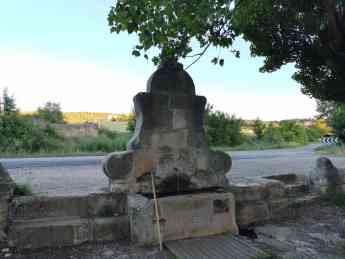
326 177
181 216
110 229
279 209
248 189
253 212
49 233
118 165
107 204
33 207
179 119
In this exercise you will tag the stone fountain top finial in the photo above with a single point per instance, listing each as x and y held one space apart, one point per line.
170 79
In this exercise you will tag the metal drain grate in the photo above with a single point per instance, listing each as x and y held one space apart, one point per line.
216 247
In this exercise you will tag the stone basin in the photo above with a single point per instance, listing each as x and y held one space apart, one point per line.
181 216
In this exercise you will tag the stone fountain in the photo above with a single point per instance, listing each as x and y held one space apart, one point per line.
169 145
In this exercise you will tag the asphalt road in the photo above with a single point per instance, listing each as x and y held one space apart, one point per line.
61 176
16 163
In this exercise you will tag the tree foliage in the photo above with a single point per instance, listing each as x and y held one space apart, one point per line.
259 128
51 112
222 129
308 33
337 122
172 25
7 103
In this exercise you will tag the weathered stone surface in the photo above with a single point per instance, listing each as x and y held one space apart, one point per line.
326 176
255 189
182 216
107 204
49 233
33 207
254 212
170 79
94 205
62 221
111 228
6 184
168 140
118 165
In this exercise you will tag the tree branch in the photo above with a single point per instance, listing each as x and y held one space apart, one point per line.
199 56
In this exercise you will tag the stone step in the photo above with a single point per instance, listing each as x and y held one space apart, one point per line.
65 231
297 190
94 205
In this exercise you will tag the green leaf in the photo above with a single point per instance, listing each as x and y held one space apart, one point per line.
214 61
136 53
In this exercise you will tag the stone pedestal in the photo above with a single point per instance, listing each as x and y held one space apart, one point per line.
168 141
181 216
169 146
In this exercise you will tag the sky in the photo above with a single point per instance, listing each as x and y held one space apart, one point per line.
63 51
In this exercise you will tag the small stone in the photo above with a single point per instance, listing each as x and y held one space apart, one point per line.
108 253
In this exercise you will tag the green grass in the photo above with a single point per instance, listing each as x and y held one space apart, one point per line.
105 142
118 126
338 150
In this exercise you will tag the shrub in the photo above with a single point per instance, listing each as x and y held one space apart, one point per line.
108 133
51 112
273 134
20 134
101 143
337 122
22 190
222 129
312 134
259 129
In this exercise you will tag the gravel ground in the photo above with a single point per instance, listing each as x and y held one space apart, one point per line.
318 234
108 250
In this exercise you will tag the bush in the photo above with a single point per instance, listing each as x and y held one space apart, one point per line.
101 143
273 134
292 132
259 129
313 134
20 134
51 112
337 122
222 129
22 190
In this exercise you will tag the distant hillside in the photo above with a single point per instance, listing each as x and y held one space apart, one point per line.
95 117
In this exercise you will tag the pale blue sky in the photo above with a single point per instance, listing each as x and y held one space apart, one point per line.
63 51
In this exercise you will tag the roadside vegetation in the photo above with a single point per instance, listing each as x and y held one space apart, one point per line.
225 132
40 132
46 132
